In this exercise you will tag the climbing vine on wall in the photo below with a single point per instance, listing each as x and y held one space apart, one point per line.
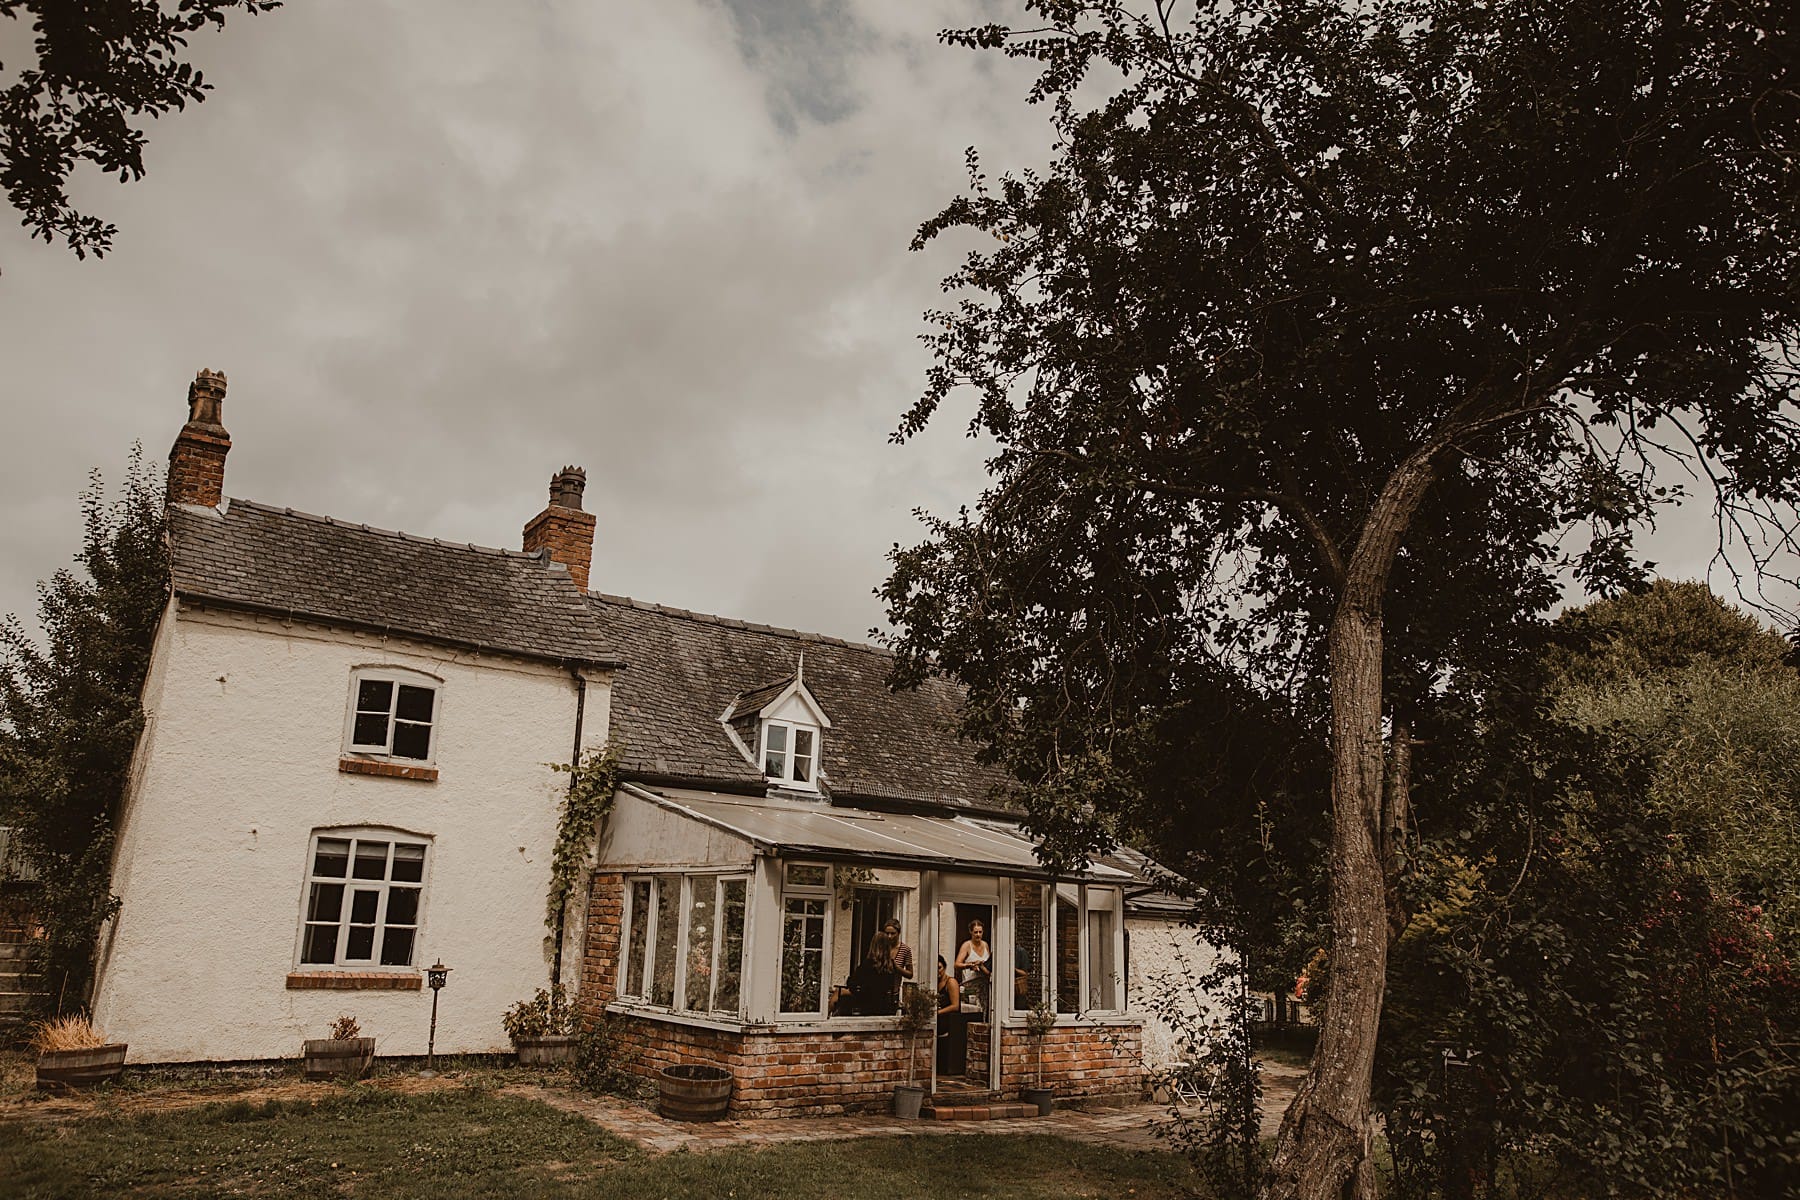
849 877
592 782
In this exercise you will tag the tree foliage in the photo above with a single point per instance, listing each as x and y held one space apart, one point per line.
99 65
70 715
1322 326
1597 914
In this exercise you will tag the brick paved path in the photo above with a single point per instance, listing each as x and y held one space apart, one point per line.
1132 1126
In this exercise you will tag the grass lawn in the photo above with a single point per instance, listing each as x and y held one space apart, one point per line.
364 1142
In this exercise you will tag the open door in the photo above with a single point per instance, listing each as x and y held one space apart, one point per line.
965 1049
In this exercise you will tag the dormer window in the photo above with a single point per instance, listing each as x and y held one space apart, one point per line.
780 727
790 753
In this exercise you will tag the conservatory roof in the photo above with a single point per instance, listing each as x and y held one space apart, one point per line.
801 828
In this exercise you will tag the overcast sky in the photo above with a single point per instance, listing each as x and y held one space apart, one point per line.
441 249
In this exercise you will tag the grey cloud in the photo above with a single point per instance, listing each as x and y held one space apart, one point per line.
442 249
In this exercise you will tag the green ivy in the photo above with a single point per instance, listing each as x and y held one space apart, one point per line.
848 878
592 783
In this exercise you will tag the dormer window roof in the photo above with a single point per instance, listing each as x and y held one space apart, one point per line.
780 726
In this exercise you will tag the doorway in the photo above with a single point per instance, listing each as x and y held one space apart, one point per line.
964 1052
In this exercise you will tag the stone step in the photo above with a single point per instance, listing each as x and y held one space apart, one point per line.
978 1112
18 1002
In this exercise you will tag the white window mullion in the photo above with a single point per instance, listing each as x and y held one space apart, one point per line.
1122 986
828 969
393 710
683 904
1082 986
655 905
718 927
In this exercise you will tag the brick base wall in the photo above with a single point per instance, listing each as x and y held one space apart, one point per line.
811 1073
1079 1060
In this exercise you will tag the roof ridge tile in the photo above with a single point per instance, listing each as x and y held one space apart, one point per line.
669 610
421 539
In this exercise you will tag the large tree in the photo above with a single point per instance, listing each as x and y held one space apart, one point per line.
70 715
1322 325
100 66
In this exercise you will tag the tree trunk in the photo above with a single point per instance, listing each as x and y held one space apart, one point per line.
1328 1130
1323 1150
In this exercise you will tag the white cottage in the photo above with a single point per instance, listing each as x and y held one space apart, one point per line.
344 777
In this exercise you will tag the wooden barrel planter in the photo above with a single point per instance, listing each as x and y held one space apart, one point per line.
548 1051
80 1068
694 1093
338 1058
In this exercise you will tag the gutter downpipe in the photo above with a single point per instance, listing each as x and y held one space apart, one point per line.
562 914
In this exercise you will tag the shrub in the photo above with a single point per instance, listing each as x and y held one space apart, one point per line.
345 1028
602 1061
546 1014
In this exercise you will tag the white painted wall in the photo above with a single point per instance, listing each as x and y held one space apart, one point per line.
1167 960
638 833
236 769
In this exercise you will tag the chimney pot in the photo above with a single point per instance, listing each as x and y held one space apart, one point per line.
206 398
567 486
197 459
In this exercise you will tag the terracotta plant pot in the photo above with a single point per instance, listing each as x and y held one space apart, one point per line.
80 1068
553 1049
1043 1097
339 1058
908 1099
693 1093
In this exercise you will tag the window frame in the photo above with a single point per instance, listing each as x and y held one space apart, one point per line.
399 677
640 991
825 893
309 877
1084 971
786 778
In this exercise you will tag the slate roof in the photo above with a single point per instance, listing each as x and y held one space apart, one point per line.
1161 892
757 699
685 668
277 560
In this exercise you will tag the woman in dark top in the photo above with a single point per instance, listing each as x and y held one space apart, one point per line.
952 1029
874 982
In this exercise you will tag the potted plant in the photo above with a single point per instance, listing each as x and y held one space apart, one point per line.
1038 1022
918 1010
343 1055
542 1029
72 1053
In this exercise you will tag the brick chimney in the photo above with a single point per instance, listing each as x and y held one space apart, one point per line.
562 528
197 459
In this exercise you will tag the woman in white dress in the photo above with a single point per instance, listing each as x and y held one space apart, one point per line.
974 965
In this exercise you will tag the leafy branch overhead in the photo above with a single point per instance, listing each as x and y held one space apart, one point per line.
100 65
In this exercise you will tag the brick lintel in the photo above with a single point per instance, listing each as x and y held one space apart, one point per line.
390 770
353 981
